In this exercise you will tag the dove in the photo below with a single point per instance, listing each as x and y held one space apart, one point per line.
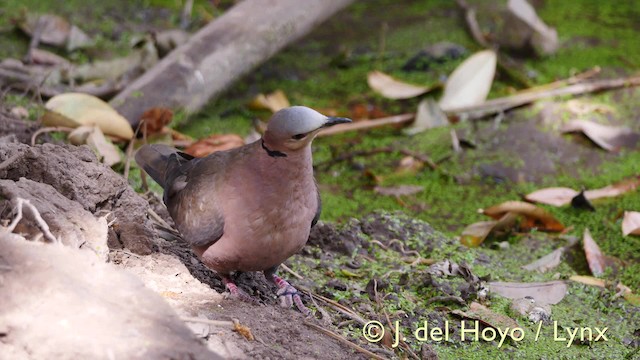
248 208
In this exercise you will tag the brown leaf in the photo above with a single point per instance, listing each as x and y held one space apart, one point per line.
616 189
560 196
534 216
626 292
274 101
155 119
631 223
556 196
391 88
213 143
610 138
398 190
597 261
363 111
475 234
487 316
543 293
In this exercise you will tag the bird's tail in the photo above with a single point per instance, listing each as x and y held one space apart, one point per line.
154 159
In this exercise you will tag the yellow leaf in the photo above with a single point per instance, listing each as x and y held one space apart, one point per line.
391 88
75 109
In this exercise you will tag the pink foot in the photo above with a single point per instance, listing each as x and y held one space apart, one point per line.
289 295
236 292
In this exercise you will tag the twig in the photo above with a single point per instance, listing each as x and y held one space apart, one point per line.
130 146
368 124
40 223
185 16
9 161
336 306
343 340
288 269
455 142
47 130
157 218
472 23
568 81
509 102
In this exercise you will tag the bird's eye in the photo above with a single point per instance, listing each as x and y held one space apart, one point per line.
299 136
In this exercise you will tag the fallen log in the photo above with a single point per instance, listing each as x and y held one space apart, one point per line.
221 52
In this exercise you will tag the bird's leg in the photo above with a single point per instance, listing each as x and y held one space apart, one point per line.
237 292
289 295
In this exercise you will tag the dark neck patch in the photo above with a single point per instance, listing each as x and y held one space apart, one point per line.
273 153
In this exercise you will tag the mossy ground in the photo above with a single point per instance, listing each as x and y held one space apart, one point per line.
328 72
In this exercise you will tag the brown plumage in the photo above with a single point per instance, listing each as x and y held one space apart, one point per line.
249 208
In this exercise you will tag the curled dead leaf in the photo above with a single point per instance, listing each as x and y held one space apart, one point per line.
155 119
213 143
610 138
534 216
392 88
475 234
631 223
470 82
598 262
75 109
614 190
93 136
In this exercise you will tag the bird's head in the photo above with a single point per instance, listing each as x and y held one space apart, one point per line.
295 127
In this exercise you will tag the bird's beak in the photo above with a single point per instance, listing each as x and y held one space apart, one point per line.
335 121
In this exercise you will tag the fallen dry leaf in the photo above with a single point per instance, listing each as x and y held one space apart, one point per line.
75 109
543 293
556 196
547 262
274 101
470 82
622 289
391 88
560 196
55 30
610 138
93 136
614 190
544 38
155 119
400 190
534 216
488 317
428 116
631 223
598 262
475 234
362 111
213 143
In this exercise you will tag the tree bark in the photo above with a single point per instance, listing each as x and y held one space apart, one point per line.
221 52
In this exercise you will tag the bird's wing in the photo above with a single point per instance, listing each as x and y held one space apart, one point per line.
316 217
192 196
